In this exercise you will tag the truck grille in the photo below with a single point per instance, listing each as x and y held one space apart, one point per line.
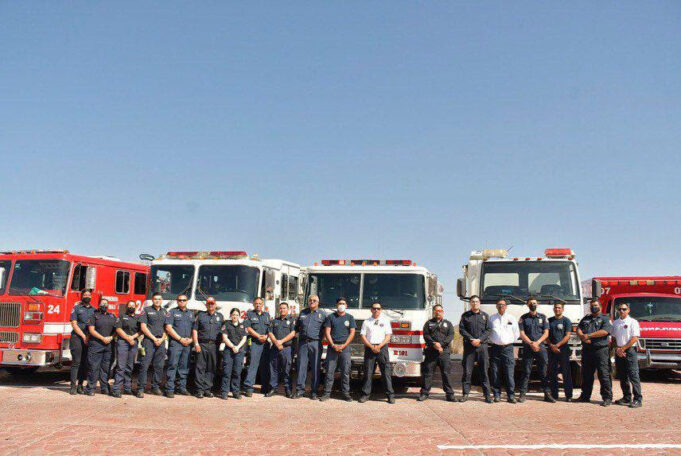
356 346
10 314
8 337
662 344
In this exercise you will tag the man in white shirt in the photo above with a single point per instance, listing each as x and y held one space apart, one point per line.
375 334
626 332
505 331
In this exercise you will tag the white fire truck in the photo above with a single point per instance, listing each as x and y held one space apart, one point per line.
491 275
231 277
406 291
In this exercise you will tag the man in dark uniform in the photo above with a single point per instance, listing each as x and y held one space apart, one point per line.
339 329
80 315
179 324
309 327
281 335
560 328
101 327
206 334
534 330
475 329
594 330
152 322
128 330
438 334
257 324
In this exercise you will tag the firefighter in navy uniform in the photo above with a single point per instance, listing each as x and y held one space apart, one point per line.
534 330
207 334
438 334
257 323
179 324
475 329
560 329
309 327
152 322
101 328
594 330
128 330
80 315
281 334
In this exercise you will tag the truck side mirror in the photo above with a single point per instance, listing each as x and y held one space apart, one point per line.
2 275
461 288
91 278
596 289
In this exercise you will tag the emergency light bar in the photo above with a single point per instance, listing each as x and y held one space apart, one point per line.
559 253
23 252
214 254
367 263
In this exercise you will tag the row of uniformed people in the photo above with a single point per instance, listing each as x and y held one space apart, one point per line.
270 352
489 342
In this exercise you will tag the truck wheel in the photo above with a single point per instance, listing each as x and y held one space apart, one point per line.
576 375
19 371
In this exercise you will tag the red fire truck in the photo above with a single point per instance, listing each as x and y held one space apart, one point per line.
656 303
38 289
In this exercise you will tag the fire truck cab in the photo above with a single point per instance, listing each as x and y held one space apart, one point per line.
231 277
38 289
491 275
656 303
406 291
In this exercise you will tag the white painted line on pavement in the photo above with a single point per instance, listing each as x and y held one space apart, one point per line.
562 446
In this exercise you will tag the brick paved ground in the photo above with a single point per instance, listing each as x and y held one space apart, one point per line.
42 417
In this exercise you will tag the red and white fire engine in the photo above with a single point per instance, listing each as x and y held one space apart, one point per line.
656 303
406 291
231 277
38 289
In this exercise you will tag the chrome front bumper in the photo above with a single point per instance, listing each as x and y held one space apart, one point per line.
29 358
658 360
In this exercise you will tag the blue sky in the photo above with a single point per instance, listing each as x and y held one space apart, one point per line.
311 130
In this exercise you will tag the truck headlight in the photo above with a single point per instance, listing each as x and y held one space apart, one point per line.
32 338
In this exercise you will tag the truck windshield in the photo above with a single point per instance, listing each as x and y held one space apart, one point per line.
39 277
171 280
545 280
652 308
4 273
394 291
330 287
228 283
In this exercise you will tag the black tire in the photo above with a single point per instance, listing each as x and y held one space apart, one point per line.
21 371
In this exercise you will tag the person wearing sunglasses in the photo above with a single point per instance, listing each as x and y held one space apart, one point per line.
626 331
375 334
179 327
593 330
438 334
152 322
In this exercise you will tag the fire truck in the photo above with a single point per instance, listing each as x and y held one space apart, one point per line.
231 277
492 274
656 303
38 289
406 291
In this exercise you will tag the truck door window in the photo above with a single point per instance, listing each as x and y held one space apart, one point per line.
4 273
79 274
122 282
140 283
293 288
284 287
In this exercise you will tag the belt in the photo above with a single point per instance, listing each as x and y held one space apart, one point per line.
206 341
306 339
502 345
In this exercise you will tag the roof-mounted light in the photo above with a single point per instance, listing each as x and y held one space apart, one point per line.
228 254
31 252
398 262
559 253
494 253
